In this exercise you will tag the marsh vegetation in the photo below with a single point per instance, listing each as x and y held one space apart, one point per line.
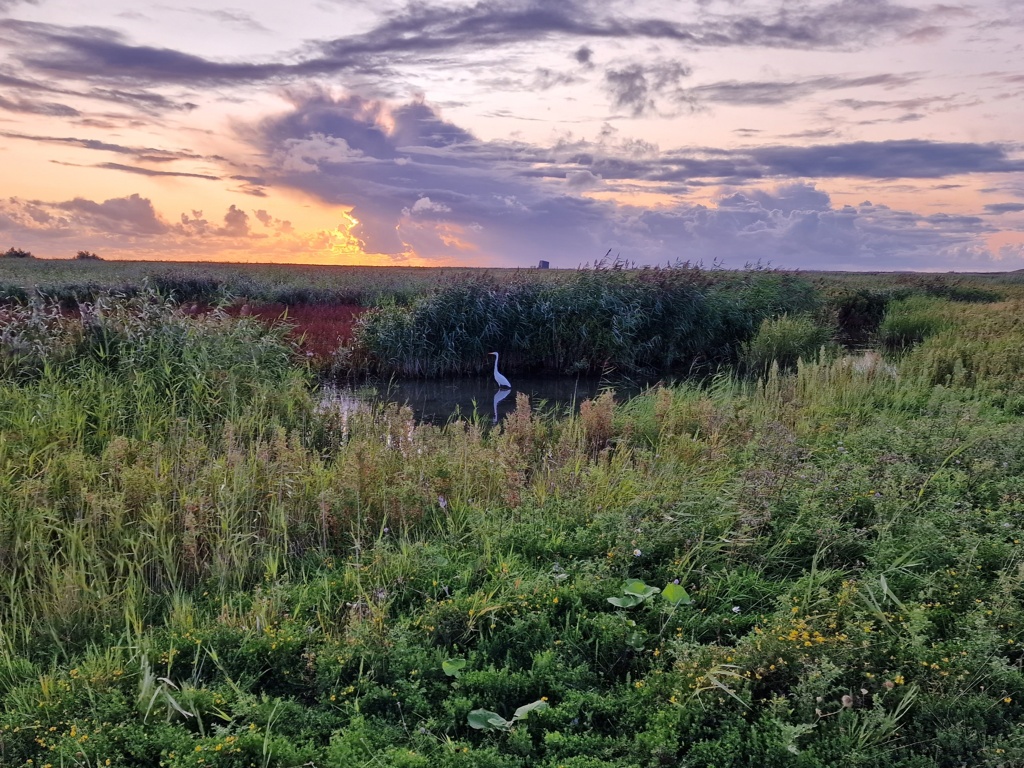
809 560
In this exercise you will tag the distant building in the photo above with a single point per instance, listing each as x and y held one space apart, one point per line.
543 264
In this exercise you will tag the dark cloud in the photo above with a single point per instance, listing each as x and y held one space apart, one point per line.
637 87
797 226
998 208
142 154
908 159
544 79
420 31
93 52
420 183
355 150
771 92
13 81
946 103
251 185
584 55
145 101
496 22
151 172
33 107
812 133
153 103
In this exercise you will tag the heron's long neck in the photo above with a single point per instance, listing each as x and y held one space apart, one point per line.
495 362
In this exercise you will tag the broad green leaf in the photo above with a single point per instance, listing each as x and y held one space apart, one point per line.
638 587
485 720
676 594
526 709
626 601
453 667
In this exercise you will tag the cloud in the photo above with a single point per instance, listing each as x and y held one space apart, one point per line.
491 23
426 205
229 17
584 55
545 79
130 227
418 183
236 223
33 107
251 185
104 54
151 172
145 101
271 222
636 87
582 180
999 208
418 32
797 226
307 153
133 215
907 159
142 154
772 92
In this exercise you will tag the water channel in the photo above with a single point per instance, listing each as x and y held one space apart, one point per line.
438 401
441 400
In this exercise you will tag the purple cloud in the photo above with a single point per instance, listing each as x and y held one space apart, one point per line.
998 208
420 183
420 31
132 215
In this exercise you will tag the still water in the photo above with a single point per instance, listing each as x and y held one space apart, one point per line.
439 401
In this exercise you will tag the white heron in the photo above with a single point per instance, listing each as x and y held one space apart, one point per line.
502 381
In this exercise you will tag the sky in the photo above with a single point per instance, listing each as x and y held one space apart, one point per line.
799 134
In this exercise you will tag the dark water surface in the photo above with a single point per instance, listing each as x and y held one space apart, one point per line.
439 401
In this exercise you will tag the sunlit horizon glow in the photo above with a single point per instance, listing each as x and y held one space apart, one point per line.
806 134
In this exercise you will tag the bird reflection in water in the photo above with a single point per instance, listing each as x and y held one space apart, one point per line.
500 395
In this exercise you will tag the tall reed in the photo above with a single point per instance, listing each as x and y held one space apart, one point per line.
627 320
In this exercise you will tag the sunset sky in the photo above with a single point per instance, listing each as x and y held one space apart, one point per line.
811 134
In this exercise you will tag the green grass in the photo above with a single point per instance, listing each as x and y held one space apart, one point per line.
200 568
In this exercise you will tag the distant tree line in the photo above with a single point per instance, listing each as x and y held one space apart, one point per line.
21 253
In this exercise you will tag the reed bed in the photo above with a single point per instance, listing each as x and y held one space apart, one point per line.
631 321
71 281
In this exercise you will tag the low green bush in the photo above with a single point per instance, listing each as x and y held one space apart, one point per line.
784 340
910 321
